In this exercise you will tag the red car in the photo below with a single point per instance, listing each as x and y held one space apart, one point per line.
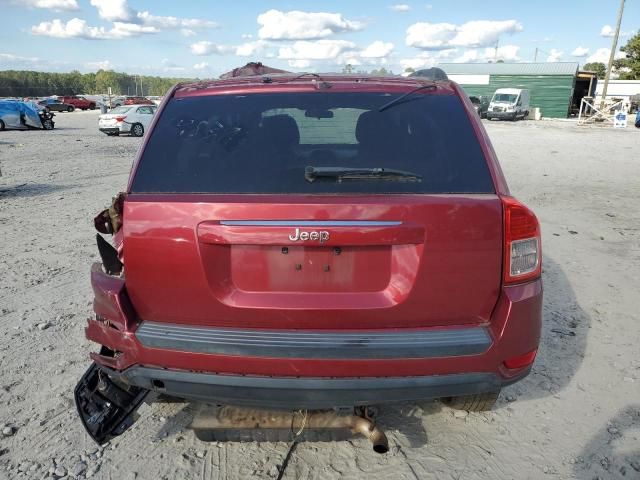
78 102
137 101
312 242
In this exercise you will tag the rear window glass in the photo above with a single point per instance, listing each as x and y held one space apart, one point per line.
262 143
121 109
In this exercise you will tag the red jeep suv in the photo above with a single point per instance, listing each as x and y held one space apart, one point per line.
312 242
79 102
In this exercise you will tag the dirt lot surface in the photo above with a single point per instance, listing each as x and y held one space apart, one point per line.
576 416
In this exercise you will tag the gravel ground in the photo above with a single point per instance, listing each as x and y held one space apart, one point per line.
576 416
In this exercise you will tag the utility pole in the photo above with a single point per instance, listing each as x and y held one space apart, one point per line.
614 47
535 56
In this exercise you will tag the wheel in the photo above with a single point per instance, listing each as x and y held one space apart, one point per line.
480 402
92 106
2 126
48 124
137 130
70 109
113 134
526 114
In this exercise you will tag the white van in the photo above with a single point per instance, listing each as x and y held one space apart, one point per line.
509 103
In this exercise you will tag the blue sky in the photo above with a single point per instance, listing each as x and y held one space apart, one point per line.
205 38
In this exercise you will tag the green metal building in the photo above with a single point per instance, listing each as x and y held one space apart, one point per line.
551 85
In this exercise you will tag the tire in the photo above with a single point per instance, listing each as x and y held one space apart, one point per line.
2 125
48 124
137 130
70 109
92 106
480 402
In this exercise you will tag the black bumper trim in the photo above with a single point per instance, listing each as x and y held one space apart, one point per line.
310 393
398 343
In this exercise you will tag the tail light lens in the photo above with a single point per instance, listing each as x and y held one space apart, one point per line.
521 360
522 248
120 119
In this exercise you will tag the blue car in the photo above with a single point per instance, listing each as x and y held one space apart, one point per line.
19 115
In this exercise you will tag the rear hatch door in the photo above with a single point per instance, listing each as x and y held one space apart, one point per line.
221 227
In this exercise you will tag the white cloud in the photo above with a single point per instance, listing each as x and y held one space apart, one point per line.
506 53
580 52
251 49
431 36
122 30
51 4
207 48
606 31
427 59
120 11
114 10
377 49
78 28
299 63
400 7
201 66
187 32
9 57
103 65
169 66
601 55
555 55
247 36
166 23
476 33
297 25
318 50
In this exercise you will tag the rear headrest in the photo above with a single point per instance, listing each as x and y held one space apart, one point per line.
281 130
371 128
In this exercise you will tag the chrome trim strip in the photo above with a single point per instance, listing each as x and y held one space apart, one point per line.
309 223
315 344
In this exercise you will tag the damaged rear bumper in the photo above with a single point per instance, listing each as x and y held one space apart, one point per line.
307 393
195 362
106 407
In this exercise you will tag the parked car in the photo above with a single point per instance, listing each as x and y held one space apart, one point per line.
127 119
78 102
481 105
312 242
19 115
130 100
115 101
55 105
509 104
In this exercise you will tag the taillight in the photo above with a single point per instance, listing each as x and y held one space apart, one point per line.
522 246
120 119
521 360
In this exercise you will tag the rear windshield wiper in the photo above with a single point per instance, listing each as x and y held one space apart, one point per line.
396 101
348 173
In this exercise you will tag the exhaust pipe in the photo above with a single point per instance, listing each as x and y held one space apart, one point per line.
228 423
366 427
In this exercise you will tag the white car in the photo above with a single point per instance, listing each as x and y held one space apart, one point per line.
132 119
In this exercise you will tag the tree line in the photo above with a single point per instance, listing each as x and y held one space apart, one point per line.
25 83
